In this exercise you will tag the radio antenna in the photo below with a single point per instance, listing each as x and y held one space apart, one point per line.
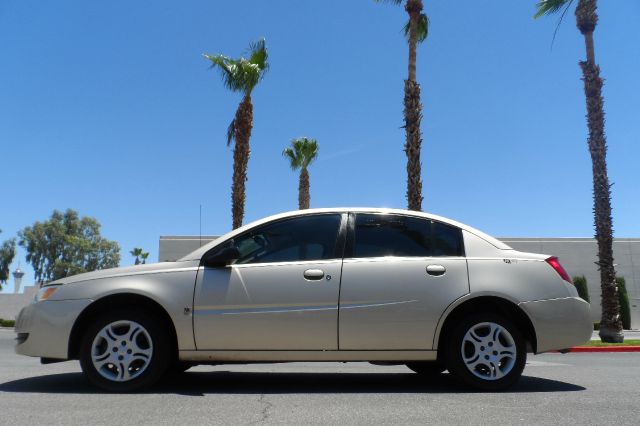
200 225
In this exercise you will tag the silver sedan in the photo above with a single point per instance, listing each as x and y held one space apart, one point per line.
365 284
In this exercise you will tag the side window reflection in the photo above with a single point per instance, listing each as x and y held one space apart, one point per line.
378 235
296 239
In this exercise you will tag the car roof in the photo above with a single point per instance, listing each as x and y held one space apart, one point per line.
197 254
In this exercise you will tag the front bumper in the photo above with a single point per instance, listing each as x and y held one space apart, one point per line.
44 328
559 323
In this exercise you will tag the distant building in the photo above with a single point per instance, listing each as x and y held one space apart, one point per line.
12 303
577 255
176 246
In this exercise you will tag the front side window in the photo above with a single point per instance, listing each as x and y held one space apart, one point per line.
378 235
289 240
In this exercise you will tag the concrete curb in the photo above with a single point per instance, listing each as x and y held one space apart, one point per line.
605 349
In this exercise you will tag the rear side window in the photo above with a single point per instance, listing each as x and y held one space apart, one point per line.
447 240
378 235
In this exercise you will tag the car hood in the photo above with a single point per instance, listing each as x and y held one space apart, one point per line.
149 268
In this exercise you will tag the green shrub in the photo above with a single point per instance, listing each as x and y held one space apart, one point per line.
581 286
623 298
596 326
7 323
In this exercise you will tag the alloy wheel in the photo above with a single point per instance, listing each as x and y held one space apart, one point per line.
488 351
121 351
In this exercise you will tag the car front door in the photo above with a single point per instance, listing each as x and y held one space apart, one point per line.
282 293
399 275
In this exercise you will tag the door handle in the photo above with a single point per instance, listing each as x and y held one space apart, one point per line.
436 270
314 274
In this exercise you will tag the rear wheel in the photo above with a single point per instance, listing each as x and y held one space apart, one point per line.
487 352
123 351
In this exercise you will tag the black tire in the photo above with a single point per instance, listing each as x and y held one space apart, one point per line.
426 368
486 368
154 366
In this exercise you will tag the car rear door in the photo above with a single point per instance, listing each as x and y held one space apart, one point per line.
282 294
399 275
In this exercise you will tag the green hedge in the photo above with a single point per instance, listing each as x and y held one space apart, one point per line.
623 297
581 286
7 323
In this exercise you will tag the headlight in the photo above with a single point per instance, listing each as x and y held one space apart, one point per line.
45 292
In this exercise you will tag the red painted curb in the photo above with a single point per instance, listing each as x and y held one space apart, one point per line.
605 349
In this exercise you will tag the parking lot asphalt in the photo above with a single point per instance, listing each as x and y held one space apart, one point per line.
555 389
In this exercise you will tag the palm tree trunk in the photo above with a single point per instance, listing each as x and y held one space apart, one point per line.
413 113
610 324
241 152
304 196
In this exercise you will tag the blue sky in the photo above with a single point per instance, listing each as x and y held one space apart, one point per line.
110 109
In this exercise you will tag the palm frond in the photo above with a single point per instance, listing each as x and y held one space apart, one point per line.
230 71
555 31
258 55
301 153
242 75
422 29
231 132
225 66
549 7
291 155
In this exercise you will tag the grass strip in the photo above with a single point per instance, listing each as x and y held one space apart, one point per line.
630 342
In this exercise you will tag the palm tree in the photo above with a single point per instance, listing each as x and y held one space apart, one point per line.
241 75
140 255
587 18
301 154
416 31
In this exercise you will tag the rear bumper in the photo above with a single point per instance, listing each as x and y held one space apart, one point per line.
44 328
559 323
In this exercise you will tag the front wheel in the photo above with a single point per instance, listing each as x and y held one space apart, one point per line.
487 352
123 351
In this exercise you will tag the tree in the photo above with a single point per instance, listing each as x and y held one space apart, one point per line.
301 154
67 244
416 31
241 75
586 19
7 253
140 255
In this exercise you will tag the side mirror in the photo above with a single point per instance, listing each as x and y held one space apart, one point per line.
221 258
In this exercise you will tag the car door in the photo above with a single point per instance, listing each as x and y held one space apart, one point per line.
399 275
282 293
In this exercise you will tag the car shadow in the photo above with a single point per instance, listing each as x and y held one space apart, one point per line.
226 382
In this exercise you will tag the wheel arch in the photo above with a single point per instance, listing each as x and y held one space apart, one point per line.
486 303
106 303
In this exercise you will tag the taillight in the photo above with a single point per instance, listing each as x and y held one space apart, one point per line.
555 264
